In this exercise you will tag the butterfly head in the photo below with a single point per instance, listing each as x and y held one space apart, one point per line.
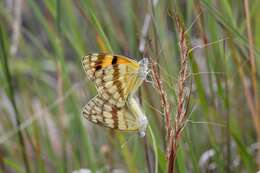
143 70
143 125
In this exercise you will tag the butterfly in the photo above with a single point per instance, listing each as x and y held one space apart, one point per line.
117 79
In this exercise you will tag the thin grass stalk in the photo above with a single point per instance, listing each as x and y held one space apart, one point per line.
11 96
166 107
246 88
60 83
16 27
163 97
142 49
203 35
183 97
253 74
145 141
227 118
147 155
251 46
95 22
153 4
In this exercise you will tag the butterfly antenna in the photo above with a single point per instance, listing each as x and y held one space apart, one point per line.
149 71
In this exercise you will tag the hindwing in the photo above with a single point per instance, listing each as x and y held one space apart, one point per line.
101 112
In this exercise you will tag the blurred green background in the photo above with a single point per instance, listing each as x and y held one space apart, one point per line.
43 86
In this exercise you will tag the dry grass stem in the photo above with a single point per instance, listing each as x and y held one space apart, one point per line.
181 116
174 131
251 54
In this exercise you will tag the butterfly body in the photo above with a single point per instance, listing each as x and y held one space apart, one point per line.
117 78
141 118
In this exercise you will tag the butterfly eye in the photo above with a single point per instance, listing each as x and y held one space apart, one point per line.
141 134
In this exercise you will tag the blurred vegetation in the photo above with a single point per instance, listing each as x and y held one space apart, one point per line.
43 85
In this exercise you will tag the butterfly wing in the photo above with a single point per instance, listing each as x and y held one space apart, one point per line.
101 112
115 76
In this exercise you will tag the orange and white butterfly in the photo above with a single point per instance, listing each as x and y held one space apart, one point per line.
117 79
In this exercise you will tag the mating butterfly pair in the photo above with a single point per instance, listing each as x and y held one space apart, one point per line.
117 79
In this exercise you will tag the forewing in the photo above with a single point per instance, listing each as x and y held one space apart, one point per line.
100 111
114 76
